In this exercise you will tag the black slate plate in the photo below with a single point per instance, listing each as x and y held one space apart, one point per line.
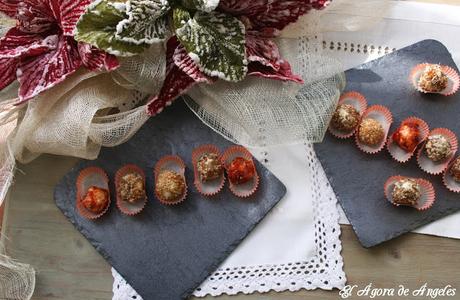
166 252
358 178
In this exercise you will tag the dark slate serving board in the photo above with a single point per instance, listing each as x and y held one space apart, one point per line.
167 252
358 178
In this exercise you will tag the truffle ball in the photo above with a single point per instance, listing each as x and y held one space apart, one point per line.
170 186
96 199
438 148
241 170
209 167
132 187
433 79
455 169
407 136
345 118
370 132
406 192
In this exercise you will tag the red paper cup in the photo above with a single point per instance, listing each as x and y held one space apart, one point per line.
126 207
92 176
436 168
452 75
171 163
385 118
241 190
427 192
209 188
359 102
449 181
401 155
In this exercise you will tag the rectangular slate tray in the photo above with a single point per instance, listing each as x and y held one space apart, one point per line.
165 253
358 178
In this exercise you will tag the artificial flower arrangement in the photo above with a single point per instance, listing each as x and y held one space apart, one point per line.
205 40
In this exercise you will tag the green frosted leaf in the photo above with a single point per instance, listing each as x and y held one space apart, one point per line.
203 5
146 22
215 41
180 17
97 27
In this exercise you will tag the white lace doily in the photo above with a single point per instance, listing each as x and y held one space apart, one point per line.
324 269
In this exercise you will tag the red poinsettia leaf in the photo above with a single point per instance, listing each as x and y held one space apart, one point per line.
284 73
36 16
243 7
8 67
186 64
37 74
68 12
9 7
176 81
96 60
19 44
263 50
270 13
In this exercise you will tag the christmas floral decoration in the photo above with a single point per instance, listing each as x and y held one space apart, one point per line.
40 51
206 40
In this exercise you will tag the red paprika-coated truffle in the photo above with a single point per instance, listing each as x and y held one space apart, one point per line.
240 170
96 199
407 136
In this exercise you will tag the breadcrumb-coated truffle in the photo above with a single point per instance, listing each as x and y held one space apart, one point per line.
371 132
132 187
345 118
455 170
209 167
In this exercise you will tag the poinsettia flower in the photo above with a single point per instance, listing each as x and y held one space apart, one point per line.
40 50
264 19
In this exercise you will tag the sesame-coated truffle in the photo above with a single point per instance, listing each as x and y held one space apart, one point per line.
345 118
170 186
370 132
438 148
406 192
433 79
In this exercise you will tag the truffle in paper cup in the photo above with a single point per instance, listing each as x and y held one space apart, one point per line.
383 116
356 100
209 187
430 166
248 188
448 178
126 207
91 177
453 82
403 155
175 167
427 192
